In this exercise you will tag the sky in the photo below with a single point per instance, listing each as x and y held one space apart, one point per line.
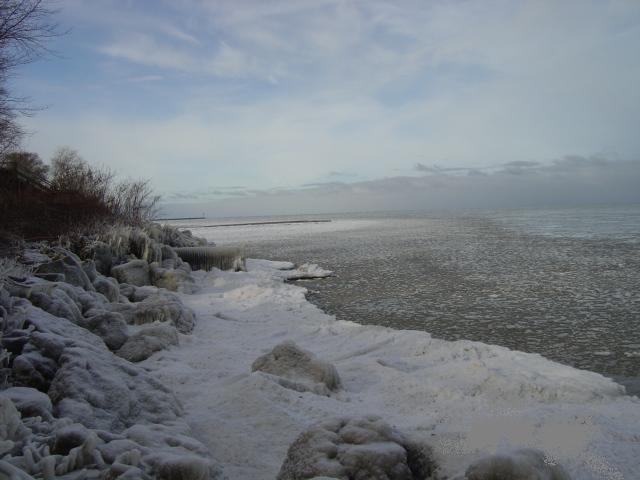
263 107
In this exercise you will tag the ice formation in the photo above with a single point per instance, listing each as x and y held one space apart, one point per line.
525 464
69 407
298 369
359 449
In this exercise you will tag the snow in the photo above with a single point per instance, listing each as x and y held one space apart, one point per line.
466 400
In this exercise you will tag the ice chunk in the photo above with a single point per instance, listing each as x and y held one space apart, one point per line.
307 271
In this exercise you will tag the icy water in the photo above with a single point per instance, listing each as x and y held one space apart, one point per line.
561 283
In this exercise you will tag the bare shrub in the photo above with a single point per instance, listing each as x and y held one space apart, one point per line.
79 198
133 202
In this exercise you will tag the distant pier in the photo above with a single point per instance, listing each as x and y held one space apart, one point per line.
182 218
276 222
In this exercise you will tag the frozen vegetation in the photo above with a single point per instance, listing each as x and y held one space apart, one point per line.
112 371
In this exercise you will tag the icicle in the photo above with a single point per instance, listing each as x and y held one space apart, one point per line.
206 258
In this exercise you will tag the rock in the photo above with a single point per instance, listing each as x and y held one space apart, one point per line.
117 448
298 369
45 322
70 266
99 390
158 307
58 303
172 279
89 268
135 272
12 430
144 343
61 299
168 253
184 468
103 256
32 369
12 472
173 454
69 437
358 449
524 464
110 326
29 401
51 277
108 287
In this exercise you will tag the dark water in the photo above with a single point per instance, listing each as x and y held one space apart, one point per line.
562 283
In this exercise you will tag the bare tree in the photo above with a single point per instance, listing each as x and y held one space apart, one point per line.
28 162
25 29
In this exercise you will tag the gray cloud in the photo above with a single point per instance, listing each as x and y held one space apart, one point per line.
421 167
521 164
569 181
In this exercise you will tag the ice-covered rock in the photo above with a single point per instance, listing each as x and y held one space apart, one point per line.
298 369
99 390
359 449
135 272
60 299
524 464
69 265
33 369
172 453
157 306
12 429
69 437
174 279
108 287
110 326
29 401
102 255
147 341
58 303
46 322
12 472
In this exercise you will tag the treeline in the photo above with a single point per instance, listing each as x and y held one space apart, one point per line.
41 201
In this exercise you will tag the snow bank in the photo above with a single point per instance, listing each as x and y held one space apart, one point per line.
466 400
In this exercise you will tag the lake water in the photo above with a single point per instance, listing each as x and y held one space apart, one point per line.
564 283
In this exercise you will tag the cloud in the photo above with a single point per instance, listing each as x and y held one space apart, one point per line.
276 94
521 164
570 181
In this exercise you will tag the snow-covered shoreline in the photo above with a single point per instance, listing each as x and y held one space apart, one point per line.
465 399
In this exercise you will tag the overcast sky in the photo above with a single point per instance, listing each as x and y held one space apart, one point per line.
263 107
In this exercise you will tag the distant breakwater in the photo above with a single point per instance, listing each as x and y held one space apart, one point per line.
279 222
